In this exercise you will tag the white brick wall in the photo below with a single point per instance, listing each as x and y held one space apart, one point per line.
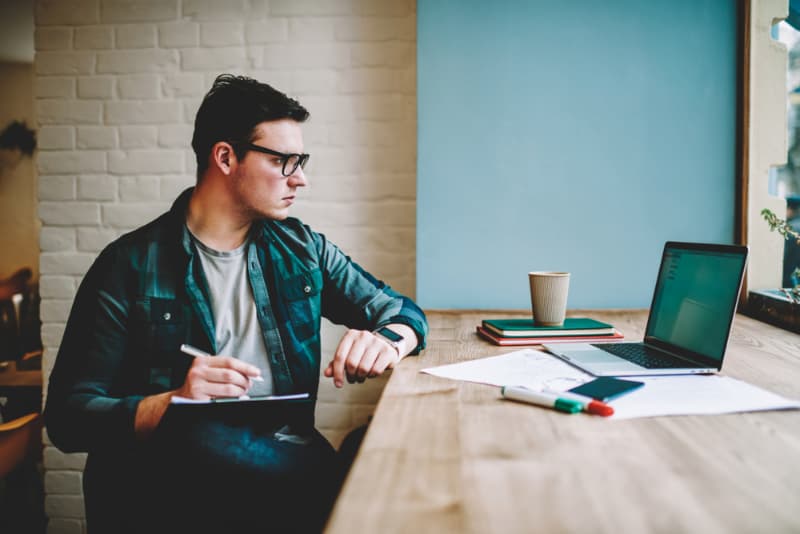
117 86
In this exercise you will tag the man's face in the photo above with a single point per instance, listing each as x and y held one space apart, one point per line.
258 183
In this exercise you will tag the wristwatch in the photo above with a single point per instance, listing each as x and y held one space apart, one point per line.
390 336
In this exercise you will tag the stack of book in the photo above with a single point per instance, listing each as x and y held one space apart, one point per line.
525 332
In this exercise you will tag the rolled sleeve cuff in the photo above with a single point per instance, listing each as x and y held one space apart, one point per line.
123 421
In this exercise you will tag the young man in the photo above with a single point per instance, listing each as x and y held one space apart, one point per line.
227 271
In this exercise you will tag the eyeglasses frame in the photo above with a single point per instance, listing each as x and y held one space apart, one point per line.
302 159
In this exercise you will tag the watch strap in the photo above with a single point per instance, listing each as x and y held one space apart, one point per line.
386 337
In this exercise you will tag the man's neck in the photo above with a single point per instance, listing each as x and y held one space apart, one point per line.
212 219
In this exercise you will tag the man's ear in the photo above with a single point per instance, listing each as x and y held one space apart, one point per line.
223 157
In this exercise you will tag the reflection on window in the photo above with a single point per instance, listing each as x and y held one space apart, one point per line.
785 180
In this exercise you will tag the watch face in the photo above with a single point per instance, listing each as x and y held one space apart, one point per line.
390 334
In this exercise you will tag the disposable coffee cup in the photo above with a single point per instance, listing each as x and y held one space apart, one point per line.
549 290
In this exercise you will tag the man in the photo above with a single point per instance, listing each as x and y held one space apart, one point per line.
227 271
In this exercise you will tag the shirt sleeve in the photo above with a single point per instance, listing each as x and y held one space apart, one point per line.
81 413
353 297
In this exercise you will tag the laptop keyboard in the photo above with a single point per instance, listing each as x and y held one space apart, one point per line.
643 355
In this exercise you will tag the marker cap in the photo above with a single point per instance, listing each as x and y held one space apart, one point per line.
599 408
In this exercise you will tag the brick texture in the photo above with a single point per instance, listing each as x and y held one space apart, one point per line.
117 86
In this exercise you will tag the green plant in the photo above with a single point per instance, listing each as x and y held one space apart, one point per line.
776 224
779 225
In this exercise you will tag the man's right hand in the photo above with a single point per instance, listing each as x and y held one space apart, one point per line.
208 377
217 376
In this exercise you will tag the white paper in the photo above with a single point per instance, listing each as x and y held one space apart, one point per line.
696 394
662 395
533 369
244 398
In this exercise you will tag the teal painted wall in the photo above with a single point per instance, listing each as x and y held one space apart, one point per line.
570 135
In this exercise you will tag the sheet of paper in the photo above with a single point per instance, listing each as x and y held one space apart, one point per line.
533 369
696 394
663 395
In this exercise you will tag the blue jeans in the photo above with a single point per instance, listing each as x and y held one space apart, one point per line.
215 470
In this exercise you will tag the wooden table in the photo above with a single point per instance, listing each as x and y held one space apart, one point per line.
446 456
11 378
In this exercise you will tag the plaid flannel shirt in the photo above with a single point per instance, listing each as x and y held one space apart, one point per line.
146 294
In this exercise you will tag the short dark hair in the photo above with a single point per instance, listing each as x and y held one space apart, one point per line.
231 110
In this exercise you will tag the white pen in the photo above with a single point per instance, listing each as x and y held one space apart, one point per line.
523 394
194 351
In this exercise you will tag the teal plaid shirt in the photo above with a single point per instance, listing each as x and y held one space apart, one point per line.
146 294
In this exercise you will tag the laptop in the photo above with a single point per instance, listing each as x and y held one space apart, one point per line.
690 317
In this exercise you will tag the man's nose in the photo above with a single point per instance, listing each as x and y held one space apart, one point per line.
298 178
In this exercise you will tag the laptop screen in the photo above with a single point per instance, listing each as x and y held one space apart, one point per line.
695 297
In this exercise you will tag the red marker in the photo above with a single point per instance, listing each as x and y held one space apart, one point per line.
589 404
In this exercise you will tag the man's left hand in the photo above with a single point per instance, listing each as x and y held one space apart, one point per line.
361 355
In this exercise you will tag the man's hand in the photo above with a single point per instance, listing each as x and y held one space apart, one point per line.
209 376
217 376
361 355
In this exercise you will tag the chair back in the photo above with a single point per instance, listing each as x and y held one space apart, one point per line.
20 439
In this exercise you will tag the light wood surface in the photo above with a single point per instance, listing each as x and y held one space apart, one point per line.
447 456
11 377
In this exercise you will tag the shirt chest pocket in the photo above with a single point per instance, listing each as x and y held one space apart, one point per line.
301 294
158 328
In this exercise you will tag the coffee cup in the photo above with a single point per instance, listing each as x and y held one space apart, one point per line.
549 290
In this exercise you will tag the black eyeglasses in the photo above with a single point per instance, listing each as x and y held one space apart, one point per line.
290 161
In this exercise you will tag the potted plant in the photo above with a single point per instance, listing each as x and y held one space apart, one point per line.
780 306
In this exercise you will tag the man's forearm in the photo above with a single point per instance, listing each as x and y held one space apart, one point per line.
149 413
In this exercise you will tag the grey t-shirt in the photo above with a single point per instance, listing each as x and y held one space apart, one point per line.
235 318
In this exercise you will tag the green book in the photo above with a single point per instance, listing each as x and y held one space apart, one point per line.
573 326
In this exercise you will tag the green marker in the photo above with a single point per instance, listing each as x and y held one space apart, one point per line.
523 394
